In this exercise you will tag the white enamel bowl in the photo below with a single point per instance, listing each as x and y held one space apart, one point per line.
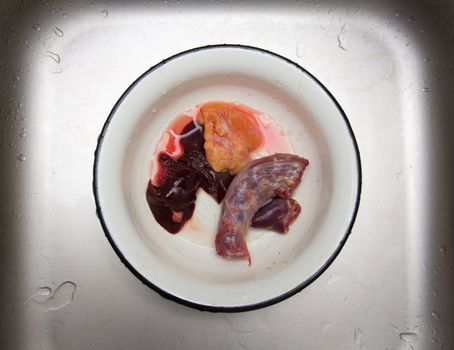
184 267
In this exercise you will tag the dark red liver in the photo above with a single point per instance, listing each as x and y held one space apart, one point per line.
173 201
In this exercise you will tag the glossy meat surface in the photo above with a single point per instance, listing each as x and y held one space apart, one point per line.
173 201
277 215
261 180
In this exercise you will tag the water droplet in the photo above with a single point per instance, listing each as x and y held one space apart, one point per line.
425 89
56 70
105 13
340 44
326 326
443 249
398 13
54 56
23 132
418 321
408 337
427 59
434 338
358 336
411 19
300 48
395 329
21 157
58 32
333 278
345 300
62 296
37 27
436 315
434 291
243 325
40 296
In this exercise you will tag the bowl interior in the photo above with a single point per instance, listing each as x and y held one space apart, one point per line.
185 265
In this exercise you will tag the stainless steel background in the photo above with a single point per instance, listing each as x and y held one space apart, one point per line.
64 64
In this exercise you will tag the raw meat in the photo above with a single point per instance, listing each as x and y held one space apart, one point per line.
277 215
261 180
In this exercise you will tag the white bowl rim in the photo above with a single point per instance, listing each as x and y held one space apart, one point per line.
211 308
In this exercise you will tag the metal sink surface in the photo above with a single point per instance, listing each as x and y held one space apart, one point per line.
63 66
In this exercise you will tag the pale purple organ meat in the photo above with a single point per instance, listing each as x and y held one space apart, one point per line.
277 215
261 180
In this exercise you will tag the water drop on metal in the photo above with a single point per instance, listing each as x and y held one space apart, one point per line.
425 89
21 157
326 326
37 27
357 336
58 32
23 132
434 338
333 278
394 327
436 315
408 337
105 13
300 48
54 56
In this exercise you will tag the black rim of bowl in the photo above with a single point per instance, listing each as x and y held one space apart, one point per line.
212 308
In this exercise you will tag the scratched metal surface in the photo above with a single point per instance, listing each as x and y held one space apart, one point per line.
63 65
